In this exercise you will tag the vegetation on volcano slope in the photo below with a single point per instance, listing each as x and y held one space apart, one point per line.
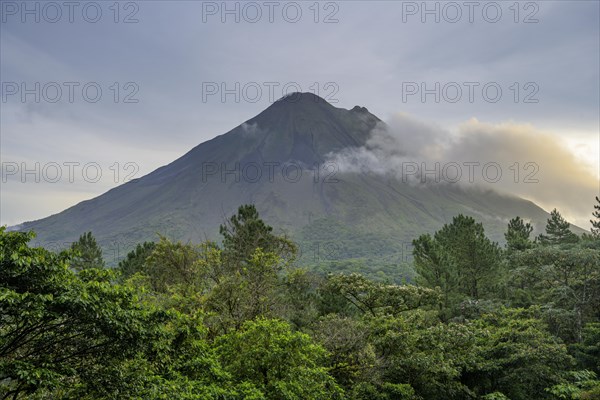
241 320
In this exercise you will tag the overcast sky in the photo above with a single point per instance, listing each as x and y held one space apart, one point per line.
161 67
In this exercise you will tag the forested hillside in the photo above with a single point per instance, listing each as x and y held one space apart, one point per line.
241 320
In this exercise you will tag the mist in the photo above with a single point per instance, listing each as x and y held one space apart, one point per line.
508 157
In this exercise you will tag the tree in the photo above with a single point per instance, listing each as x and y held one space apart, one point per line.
246 293
517 235
352 358
55 325
564 281
596 222
515 355
87 253
557 231
135 261
435 268
415 349
247 275
376 298
282 364
175 264
80 335
459 258
244 232
587 352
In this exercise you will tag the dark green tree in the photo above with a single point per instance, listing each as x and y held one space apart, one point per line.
435 268
136 260
587 352
86 253
517 235
564 280
459 258
596 222
245 231
515 355
557 231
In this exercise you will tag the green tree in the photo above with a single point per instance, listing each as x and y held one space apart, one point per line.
557 231
517 235
565 281
596 222
176 265
87 253
55 325
352 357
377 298
587 352
246 293
436 269
581 385
80 335
459 259
415 349
135 261
299 298
282 364
515 355
246 278
245 231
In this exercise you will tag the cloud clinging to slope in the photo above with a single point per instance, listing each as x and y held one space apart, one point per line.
508 157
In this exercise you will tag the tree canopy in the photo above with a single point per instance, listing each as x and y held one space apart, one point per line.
239 320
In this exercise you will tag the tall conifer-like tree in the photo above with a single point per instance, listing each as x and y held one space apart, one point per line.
596 215
87 253
557 231
517 235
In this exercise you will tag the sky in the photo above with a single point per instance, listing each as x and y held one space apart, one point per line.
96 93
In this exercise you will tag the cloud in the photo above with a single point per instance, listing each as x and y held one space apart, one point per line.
508 157
250 129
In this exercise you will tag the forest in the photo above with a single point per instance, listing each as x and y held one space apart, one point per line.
239 319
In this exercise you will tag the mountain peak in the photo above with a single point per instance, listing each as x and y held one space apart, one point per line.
302 97
304 127
360 109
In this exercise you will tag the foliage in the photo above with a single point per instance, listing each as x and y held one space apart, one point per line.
517 235
170 264
557 231
86 253
460 260
281 363
56 325
135 261
596 222
378 298
240 321
515 355
245 231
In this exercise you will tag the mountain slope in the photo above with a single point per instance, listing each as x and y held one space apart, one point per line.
278 161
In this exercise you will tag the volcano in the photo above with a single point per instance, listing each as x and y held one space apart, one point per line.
278 161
